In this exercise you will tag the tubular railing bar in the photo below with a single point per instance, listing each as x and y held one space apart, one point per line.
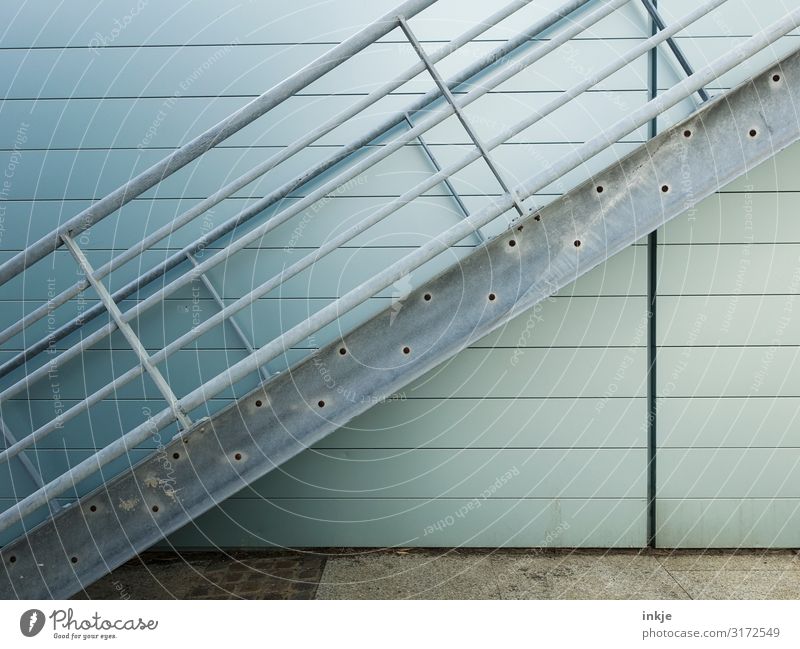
462 118
234 325
448 185
396 203
133 340
273 161
386 150
210 138
25 461
676 49
634 53
178 258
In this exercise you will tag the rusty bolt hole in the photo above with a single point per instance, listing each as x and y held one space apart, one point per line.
519 229
538 217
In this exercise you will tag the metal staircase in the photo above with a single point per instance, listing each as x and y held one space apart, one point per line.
64 544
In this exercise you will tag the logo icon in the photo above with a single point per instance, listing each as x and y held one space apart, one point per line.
31 622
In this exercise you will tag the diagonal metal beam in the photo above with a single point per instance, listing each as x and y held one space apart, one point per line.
562 241
673 45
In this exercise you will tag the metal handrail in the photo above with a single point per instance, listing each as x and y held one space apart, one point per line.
396 271
431 119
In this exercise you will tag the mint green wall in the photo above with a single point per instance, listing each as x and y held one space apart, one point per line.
534 436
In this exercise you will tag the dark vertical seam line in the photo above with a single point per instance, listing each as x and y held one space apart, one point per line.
652 286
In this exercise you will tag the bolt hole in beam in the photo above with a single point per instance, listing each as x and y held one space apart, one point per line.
237 456
687 133
753 132
664 189
427 297
776 78
512 243
12 559
176 456
577 243
259 403
492 297
154 508
74 559
342 351
93 508
406 350
321 403
600 189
